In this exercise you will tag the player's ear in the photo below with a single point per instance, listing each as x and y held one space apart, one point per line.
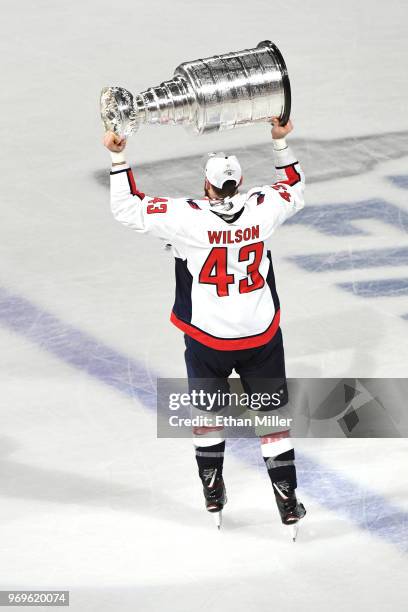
240 182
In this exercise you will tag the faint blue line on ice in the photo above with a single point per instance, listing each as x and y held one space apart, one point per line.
399 180
76 347
351 260
387 287
336 219
79 349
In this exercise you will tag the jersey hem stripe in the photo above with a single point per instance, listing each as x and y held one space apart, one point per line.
227 344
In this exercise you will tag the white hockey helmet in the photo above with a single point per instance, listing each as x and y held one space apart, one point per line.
221 168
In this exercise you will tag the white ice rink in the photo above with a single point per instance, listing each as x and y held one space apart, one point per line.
91 500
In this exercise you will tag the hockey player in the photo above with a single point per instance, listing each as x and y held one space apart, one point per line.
226 300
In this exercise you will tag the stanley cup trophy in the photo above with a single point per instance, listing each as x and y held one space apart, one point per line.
217 93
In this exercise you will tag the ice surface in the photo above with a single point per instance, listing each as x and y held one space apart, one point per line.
90 500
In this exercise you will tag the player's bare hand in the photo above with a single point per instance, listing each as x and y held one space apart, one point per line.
113 142
280 131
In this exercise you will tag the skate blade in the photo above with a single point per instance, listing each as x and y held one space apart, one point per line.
218 519
293 530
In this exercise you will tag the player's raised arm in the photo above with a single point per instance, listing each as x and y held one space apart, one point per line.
288 168
285 197
132 207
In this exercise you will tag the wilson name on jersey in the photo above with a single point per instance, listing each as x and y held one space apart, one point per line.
225 287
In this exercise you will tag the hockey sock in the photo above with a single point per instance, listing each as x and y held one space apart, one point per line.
210 457
279 457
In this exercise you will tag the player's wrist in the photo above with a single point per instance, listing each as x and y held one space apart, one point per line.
118 158
279 144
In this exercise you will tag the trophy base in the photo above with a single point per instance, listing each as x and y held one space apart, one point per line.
287 94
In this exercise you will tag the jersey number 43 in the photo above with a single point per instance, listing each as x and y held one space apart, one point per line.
215 269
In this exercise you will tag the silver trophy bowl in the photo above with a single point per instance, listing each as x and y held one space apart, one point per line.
207 95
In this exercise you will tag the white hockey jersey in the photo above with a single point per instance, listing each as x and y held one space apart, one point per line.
225 288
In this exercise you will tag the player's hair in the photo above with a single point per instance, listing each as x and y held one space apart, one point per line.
228 189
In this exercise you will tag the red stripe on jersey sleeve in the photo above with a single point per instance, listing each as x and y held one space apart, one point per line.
292 175
227 344
132 184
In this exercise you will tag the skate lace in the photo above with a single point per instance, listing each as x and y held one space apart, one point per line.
209 476
212 484
289 505
284 486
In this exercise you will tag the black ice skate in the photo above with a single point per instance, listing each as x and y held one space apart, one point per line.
214 493
290 509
